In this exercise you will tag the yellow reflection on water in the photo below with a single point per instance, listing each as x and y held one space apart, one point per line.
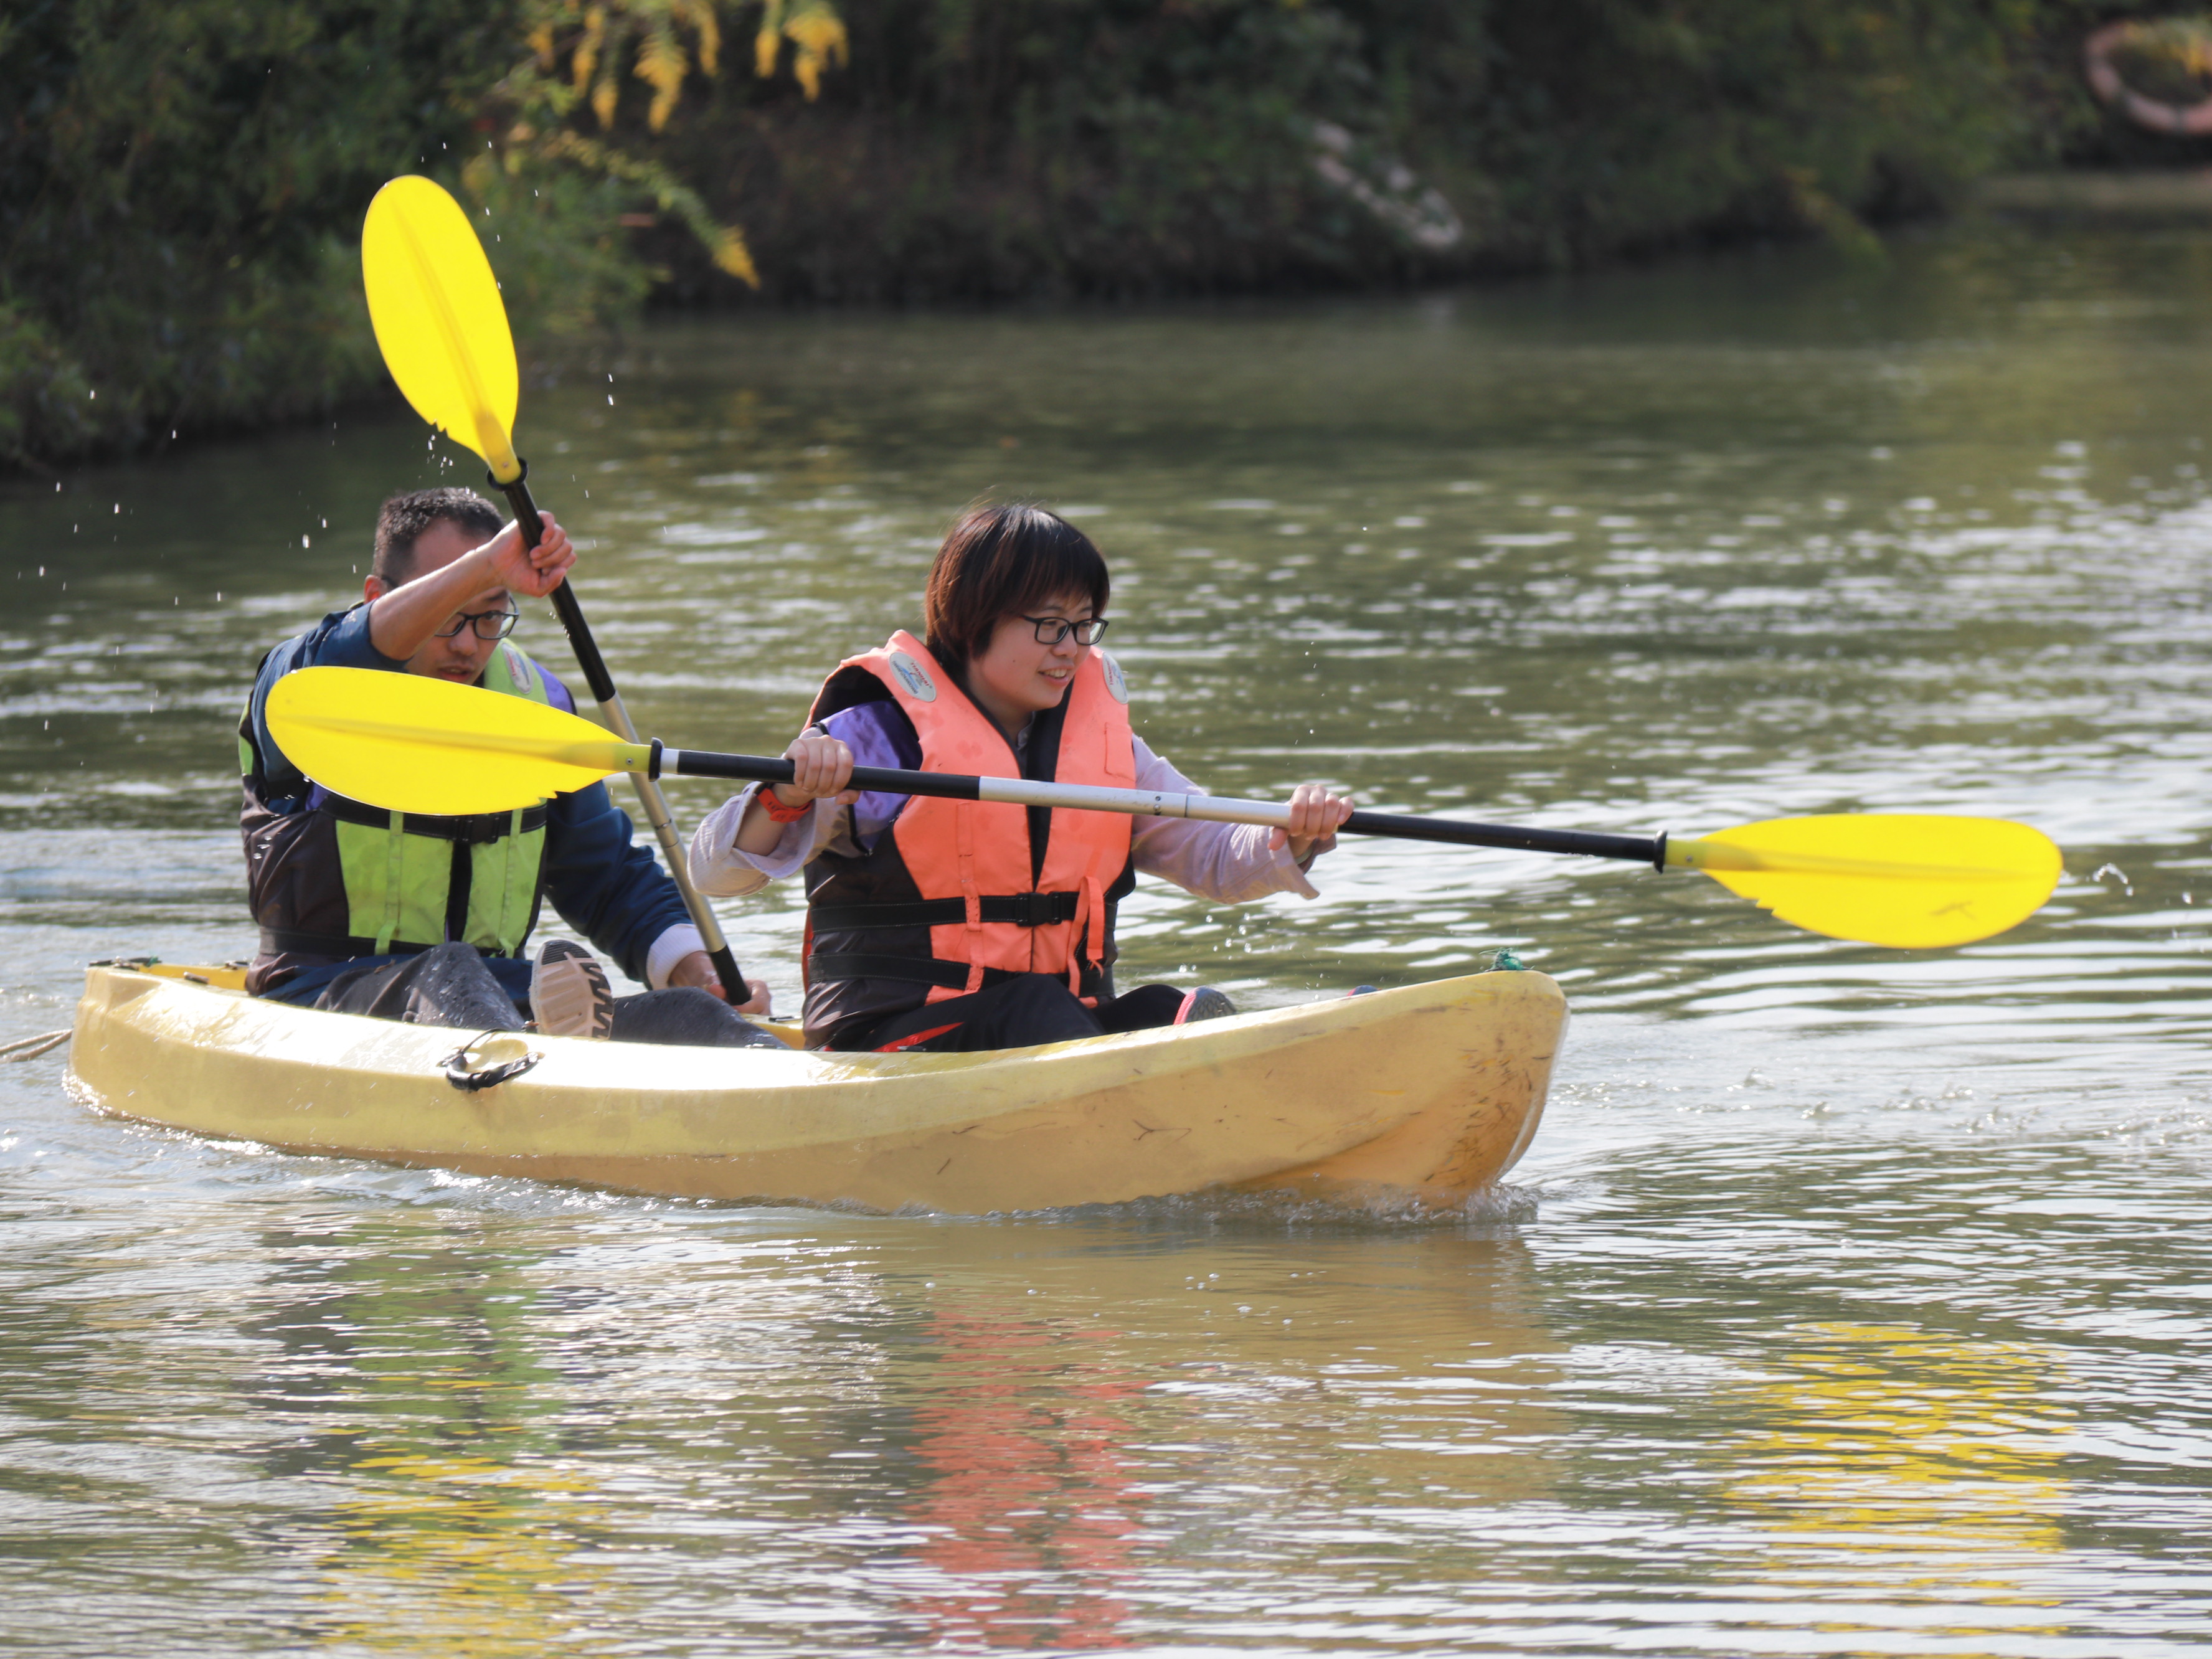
1898 1462
410 1361
456 1554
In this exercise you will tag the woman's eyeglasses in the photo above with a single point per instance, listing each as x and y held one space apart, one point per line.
1051 630
489 624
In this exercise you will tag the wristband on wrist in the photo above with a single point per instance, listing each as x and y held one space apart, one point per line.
772 804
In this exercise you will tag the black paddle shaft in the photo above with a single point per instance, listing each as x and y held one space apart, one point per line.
565 605
564 596
1399 826
1588 843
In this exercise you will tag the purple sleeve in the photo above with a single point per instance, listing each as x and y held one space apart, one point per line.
555 693
879 734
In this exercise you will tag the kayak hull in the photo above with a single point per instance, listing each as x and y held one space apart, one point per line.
1433 1090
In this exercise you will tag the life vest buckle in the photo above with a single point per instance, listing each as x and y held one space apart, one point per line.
1036 909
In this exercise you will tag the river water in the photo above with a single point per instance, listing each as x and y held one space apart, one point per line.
1849 1302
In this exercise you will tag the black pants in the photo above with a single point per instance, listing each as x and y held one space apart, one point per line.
1015 1013
450 986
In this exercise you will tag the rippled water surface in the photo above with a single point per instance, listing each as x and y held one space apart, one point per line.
1849 1302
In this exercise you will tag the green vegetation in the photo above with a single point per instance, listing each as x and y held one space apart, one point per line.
184 178
180 179
1006 148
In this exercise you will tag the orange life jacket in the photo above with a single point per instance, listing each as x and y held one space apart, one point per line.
966 868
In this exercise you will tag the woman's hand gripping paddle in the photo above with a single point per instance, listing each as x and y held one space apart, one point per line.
412 745
443 332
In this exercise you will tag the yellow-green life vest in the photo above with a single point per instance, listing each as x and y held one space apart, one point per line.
400 870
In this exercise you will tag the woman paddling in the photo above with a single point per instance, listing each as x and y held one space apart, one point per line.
959 926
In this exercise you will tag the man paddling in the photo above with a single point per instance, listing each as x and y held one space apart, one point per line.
423 919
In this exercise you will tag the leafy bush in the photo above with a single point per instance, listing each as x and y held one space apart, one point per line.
1003 148
180 183
184 180
567 268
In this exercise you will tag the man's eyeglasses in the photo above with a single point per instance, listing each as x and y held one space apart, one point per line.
489 624
1051 630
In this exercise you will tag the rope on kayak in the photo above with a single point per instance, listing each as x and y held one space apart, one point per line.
32 1047
466 1069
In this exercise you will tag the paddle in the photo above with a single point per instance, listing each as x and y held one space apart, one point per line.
442 328
409 744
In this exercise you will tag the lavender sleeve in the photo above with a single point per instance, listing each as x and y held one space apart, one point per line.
878 735
1228 863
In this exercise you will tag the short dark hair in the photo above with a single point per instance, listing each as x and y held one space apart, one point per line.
997 561
402 520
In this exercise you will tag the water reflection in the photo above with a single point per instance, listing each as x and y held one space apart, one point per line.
1028 1505
403 1380
1146 1422
1933 1460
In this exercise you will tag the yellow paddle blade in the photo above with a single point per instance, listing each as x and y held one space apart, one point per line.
409 744
439 321
1883 879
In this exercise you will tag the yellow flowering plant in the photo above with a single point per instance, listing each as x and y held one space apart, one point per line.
584 53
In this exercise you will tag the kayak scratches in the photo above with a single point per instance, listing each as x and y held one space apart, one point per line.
1144 1129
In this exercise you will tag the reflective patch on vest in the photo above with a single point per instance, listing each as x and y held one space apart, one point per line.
915 677
522 674
1116 687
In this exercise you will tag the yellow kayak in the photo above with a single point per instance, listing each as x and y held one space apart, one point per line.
1433 1090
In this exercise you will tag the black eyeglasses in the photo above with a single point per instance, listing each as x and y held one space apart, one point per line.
1051 630
489 624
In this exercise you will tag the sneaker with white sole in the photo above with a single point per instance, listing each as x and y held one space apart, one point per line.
568 992
1204 1003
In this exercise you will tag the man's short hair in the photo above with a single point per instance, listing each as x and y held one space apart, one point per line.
402 521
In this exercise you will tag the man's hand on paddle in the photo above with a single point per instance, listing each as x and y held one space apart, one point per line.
423 621
1315 816
697 969
532 571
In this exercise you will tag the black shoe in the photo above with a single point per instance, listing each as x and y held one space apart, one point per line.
1204 1003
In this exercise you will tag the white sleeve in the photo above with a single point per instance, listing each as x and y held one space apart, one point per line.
718 867
672 947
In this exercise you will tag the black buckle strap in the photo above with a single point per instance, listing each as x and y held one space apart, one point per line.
825 966
1032 909
288 941
472 829
828 967
1005 909
291 941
